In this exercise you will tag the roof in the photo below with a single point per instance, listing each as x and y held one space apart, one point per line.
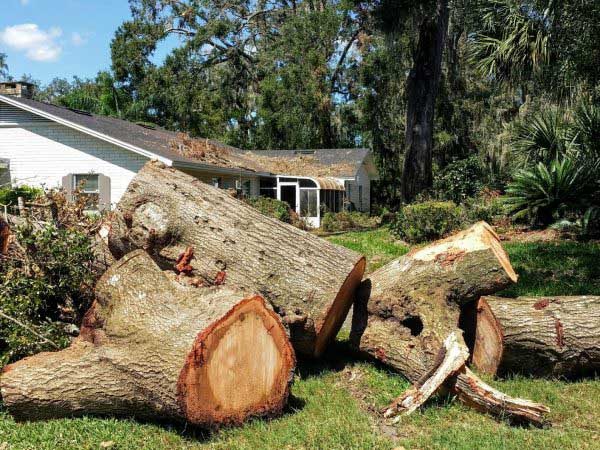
180 150
337 162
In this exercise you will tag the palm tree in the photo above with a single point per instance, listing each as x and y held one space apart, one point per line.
513 43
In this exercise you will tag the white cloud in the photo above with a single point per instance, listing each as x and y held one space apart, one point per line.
24 2
79 39
38 45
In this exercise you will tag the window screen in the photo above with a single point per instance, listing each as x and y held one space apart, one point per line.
308 203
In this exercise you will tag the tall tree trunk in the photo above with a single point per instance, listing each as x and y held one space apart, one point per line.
422 87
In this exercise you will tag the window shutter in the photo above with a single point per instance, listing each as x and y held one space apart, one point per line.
104 192
67 185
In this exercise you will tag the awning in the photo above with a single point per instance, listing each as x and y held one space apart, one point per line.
330 184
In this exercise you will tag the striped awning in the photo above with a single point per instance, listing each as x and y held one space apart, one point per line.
330 184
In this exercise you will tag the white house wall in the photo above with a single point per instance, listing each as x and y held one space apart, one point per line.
41 154
362 179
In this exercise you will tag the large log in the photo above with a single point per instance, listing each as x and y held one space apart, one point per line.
407 309
309 282
540 336
153 349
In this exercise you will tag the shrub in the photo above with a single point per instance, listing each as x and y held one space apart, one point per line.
9 195
43 291
487 206
459 180
271 207
590 223
425 221
344 221
546 191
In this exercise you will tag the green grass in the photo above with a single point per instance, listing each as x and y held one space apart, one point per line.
336 401
378 246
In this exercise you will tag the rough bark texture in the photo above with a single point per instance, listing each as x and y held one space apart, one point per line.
421 90
541 336
154 349
4 236
406 309
309 282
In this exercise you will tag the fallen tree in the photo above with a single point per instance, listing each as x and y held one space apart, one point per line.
540 336
152 348
406 310
309 282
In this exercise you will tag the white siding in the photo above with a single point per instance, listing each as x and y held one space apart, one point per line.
353 189
42 154
227 181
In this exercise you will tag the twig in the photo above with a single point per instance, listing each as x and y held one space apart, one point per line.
22 325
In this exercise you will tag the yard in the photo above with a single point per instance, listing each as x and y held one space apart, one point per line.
335 402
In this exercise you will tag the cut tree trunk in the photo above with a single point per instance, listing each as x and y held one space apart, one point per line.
407 309
309 282
541 336
154 349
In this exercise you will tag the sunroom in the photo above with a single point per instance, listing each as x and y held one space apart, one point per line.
310 197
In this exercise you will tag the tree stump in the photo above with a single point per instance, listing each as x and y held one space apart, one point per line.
309 282
407 309
540 336
153 349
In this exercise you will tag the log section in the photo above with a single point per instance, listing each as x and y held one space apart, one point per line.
408 308
153 349
309 282
540 336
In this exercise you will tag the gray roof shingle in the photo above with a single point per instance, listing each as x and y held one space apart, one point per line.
337 162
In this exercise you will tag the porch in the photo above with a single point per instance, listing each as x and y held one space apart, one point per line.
309 197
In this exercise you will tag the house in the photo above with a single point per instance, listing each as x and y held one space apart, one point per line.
52 146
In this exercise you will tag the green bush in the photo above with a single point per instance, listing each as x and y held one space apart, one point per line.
345 221
271 207
9 195
44 290
426 221
459 180
489 208
590 223
546 191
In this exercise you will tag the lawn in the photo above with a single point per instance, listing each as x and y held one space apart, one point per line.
335 402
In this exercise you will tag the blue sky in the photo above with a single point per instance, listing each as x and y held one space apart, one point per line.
59 38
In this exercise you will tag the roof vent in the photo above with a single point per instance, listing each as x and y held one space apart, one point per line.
147 125
80 111
304 152
20 89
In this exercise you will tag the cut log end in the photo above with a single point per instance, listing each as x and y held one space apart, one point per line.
479 237
338 311
240 367
483 335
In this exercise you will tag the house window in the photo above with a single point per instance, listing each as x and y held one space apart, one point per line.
88 186
268 187
246 188
216 182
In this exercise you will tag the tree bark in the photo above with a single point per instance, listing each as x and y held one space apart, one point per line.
309 282
408 308
421 89
540 336
154 349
